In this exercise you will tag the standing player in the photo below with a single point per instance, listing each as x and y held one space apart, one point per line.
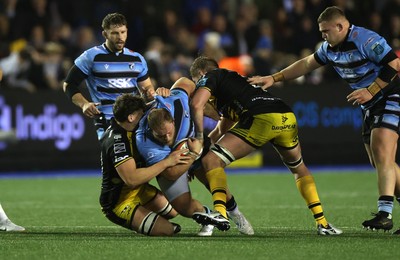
109 70
251 118
127 199
366 61
165 125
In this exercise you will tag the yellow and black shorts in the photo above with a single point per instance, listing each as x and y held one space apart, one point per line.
278 128
123 212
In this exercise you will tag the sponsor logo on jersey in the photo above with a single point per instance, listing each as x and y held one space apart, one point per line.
119 148
121 158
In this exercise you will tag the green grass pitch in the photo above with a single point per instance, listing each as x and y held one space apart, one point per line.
63 221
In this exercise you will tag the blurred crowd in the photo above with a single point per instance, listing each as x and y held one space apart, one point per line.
39 39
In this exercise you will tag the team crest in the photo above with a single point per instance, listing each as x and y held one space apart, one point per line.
377 48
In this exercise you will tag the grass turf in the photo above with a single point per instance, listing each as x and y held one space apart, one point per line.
64 221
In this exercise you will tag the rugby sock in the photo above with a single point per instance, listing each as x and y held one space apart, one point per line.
218 183
308 190
385 204
231 205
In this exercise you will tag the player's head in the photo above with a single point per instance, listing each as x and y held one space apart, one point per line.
333 25
115 31
162 125
201 65
128 109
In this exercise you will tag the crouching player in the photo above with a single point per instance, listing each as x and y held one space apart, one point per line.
127 199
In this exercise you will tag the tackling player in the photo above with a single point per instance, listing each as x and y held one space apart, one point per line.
251 117
127 199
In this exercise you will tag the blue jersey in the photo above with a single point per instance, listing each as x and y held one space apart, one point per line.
111 74
178 105
358 59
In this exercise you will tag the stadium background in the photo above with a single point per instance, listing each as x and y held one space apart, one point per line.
39 40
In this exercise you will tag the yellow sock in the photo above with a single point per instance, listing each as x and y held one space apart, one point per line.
308 190
218 183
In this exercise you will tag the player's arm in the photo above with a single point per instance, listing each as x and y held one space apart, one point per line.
195 151
71 89
185 84
134 177
222 127
197 104
147 88
293 71
211 112
389 71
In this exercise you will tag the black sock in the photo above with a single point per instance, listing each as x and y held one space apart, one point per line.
231 204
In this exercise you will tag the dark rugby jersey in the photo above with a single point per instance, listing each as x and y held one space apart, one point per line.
111 74
233 96
117 146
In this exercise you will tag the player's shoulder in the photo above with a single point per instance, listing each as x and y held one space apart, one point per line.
362 36
130 52
96 50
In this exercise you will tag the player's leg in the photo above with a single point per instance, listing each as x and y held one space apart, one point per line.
233 212
383 148
225 151
6 224
178 193
288 147
161 206
132 213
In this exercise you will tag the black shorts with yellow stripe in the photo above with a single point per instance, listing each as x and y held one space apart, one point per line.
278 128
123 212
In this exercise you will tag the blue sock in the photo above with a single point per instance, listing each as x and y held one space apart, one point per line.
385 204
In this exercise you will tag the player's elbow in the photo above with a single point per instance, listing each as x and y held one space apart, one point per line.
196 106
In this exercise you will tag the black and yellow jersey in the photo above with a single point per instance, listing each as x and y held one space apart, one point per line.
117 146
233 96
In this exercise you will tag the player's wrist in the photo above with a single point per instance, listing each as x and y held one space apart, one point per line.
199 135
374 88
278 76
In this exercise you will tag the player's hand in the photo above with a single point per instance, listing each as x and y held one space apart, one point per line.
164 92
177 157
195 145
264 82
359 96
90 109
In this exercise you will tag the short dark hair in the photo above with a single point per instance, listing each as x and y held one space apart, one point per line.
157 117
330 13
113 19
202 63
127 104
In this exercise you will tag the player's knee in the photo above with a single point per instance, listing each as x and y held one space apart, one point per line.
167 211
293 164
219 157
